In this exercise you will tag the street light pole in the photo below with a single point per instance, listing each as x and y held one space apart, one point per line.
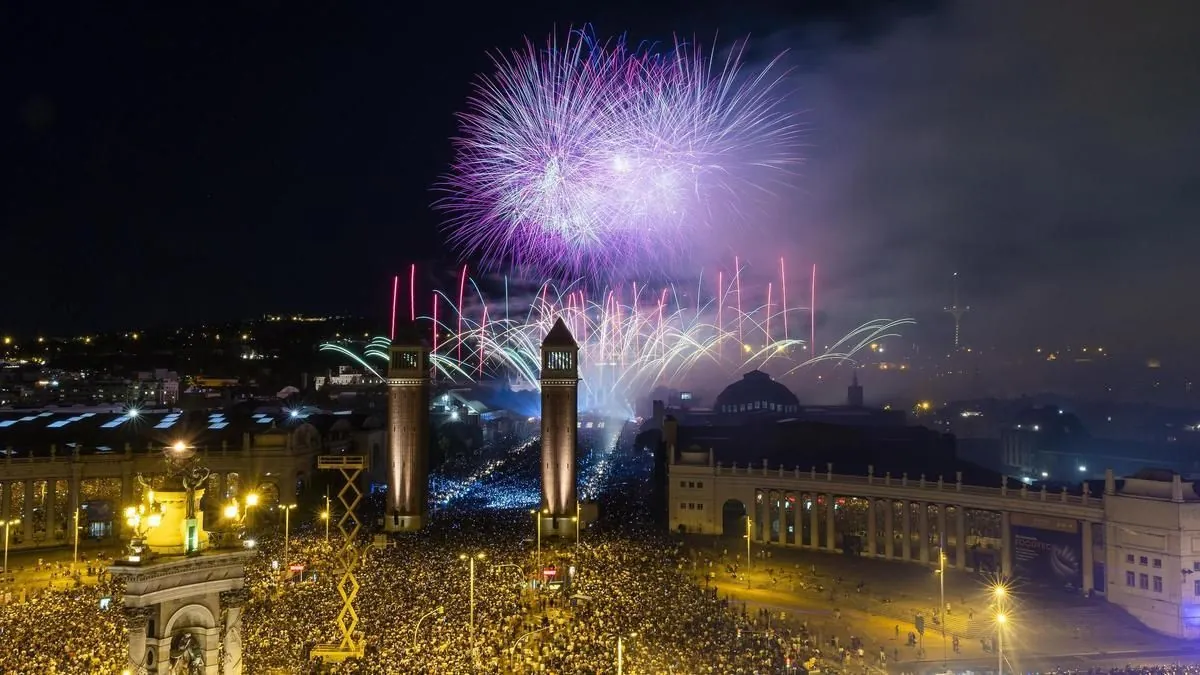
1000 619
621 652
538 516
287 535
471 560
578 520
7 524
620 655
287 532
328 515
472 617
75 560
942 583
1000 593
440 609
747 542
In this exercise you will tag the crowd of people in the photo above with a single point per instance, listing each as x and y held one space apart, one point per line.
77 630
614 585
627 591
624 581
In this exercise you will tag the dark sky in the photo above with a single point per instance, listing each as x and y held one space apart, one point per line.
189 162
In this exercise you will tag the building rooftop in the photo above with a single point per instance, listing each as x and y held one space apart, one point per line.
100 430
806 444
756 392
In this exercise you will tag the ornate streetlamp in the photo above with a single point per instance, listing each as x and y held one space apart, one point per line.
141 519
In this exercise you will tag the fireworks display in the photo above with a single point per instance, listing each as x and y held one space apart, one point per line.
587 157
632 338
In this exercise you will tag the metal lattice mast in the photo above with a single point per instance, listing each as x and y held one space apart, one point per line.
956 310
349 558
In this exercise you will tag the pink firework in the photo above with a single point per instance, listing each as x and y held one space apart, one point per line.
590 157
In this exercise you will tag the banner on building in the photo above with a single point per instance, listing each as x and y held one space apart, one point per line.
1048 550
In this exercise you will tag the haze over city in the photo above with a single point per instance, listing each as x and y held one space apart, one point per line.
1046 165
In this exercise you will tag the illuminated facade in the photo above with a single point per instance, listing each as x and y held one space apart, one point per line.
1138 544
560 423
1152 524
182 601
408 438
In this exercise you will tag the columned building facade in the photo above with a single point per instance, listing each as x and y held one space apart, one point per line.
47 492
1138 544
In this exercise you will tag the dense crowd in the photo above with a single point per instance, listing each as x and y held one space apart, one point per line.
628 586
627 580
624 580
66 631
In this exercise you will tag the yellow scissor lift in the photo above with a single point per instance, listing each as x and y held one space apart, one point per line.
349 558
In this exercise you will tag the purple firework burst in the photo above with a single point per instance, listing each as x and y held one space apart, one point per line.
588 156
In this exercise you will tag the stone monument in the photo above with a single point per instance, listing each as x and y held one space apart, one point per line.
183 601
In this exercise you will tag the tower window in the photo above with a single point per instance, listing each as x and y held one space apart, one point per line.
560 361
404 360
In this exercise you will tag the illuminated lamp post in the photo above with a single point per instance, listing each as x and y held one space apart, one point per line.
8 524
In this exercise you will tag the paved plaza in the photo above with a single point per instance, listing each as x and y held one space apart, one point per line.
1045 625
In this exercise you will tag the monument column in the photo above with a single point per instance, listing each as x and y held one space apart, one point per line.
781 536
943 536
814 524
6 504
560 428
136 619
889 529
1006 544
27 513
73 495
51 511
906 530
793 517
408 438
960 537
923 531
830 523
233 601
871 527
1088 561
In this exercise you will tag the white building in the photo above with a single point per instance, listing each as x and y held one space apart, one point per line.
1152 528
1138 544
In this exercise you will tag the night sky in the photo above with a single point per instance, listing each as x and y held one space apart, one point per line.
189 163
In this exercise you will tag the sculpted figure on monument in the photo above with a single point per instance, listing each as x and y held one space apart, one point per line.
186 657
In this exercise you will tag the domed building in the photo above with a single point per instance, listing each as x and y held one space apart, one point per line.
756 394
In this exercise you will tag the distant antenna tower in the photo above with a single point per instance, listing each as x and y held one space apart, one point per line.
956 310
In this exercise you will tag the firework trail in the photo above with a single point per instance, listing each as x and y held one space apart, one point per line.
631 339
585 156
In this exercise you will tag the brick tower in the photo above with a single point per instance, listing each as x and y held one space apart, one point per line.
408 438
560 422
